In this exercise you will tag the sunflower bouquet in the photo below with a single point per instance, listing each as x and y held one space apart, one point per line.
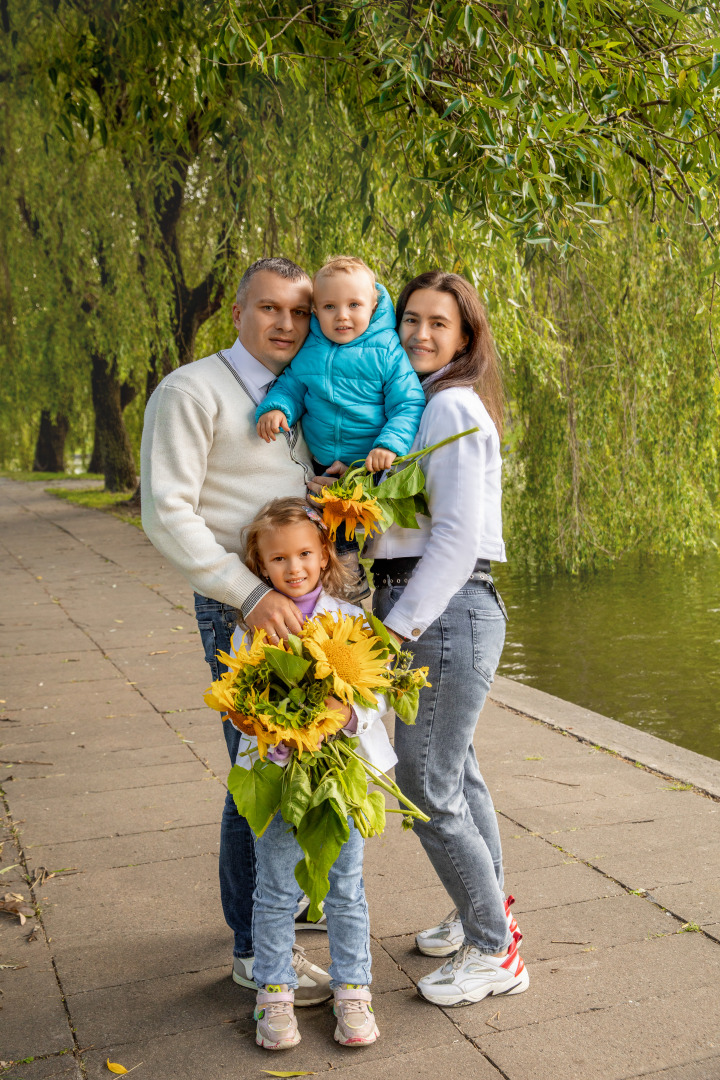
356 501
278 694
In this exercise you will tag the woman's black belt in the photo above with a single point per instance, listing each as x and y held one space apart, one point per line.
389 572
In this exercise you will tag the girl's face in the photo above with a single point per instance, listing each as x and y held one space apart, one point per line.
431 331
292 558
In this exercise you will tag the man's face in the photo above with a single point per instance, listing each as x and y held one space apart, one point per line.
274 319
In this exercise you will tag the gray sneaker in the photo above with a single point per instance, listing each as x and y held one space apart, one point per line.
313 983
301 917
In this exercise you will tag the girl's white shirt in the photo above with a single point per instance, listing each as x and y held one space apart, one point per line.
374 745
463 483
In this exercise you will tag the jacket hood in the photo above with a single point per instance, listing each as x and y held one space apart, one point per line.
383 319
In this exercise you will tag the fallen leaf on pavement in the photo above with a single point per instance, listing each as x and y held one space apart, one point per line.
11 966
157 652
120 1069
14 904
270 1072
6 868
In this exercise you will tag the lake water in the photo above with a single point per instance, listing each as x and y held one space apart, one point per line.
639 642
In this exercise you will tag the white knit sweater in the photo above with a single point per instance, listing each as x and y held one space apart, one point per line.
205 474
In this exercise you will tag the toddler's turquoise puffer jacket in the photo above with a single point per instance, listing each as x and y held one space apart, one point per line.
351 397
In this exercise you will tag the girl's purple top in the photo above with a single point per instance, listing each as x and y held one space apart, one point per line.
307 603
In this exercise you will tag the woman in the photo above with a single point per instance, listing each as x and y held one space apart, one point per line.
434 591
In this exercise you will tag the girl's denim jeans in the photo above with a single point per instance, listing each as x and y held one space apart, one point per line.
216 622
275 904
437 766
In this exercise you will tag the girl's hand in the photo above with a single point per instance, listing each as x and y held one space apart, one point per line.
270 423
333 703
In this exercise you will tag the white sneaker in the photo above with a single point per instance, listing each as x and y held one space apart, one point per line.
446 938
471 976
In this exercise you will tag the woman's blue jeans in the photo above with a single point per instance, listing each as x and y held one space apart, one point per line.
276 902
437 767
216 623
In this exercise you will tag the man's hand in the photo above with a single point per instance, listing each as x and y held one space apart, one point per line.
270 423
277 615
315 486
379 459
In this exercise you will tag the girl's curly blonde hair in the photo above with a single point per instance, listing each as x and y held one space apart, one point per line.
335 579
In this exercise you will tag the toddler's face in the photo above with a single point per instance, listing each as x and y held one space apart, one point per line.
344 305
292 557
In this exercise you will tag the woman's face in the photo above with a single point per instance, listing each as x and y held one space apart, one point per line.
431 331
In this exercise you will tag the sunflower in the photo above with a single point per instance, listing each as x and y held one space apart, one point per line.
221 695
268 733
251 657
349 659
355 509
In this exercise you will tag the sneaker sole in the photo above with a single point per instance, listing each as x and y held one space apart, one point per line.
518 987
283 1045
248 983
437 950
356 1042
300 1004
305 925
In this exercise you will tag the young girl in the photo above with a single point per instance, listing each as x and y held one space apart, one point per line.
287 545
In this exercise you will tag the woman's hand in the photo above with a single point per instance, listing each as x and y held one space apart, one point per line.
315 486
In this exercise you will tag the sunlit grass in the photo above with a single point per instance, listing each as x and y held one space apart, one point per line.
25 475
94 499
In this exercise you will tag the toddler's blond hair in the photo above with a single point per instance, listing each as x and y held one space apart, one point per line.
343 264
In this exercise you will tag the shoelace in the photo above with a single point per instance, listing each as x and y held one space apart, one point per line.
353 1005
278 1008
451 918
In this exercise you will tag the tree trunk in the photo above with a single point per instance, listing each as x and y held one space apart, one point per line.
50 445
95 464
118 464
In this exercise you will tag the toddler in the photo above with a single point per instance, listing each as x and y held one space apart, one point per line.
287 545
351 382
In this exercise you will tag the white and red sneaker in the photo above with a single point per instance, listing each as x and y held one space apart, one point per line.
446 938
471 976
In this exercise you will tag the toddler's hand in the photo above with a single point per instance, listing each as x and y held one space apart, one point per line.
270 423
333 703
378 459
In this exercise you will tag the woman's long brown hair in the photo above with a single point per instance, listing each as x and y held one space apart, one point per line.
477 363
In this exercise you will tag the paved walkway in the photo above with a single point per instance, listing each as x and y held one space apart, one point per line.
113 778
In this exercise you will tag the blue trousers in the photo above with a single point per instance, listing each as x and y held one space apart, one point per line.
216 623
437 767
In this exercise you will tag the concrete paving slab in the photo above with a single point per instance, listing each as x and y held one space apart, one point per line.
558 886
62 1067
155 897
70 783
614 1043
597 980
52 741
135 849
698 1070
224 1051
549 819
86 817
34 1021
694 901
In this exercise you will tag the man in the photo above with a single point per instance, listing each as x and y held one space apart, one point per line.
205 474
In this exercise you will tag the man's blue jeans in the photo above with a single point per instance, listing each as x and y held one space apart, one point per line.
216 623
437 767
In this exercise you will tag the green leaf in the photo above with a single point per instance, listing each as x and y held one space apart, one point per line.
330 789
381 631
295 644
374 810
354 780
687 117
296 793
321 834
402 483
257 793
405 705
403 512
288 666
315 884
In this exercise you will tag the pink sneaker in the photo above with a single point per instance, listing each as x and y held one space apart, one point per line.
355 1018
275 1015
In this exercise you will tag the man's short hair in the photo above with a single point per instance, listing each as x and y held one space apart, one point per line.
284 268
